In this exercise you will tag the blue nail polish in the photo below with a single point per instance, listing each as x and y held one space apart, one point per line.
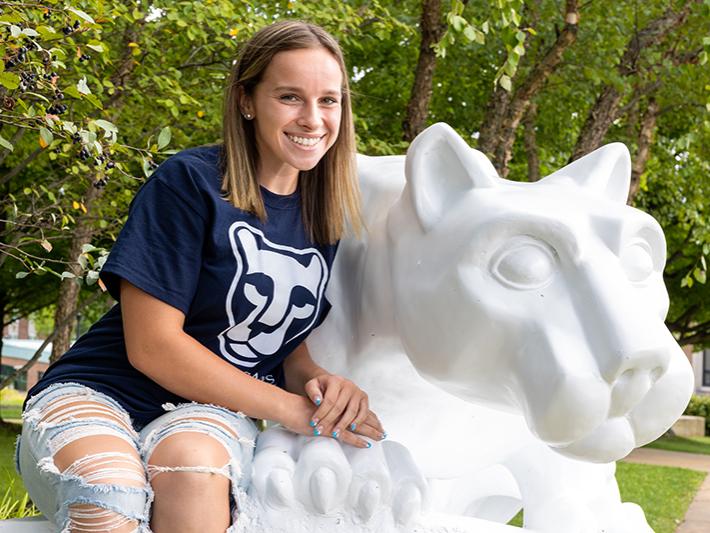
316 432
384 435
318 401
369 445
312 424
335 434
353 426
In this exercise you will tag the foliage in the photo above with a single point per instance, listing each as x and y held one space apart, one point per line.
139 83
700 406
16 508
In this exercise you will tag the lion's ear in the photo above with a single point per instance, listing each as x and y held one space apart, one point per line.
440 168
605 171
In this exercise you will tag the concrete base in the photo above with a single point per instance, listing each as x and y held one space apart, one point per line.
689 426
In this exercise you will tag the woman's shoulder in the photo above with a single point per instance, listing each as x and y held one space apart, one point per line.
192 170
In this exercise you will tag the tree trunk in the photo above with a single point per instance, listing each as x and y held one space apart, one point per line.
499 143
496 111
68 287
605 109
432 30
645 141
530 143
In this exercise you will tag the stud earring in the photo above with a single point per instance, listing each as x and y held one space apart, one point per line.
248 116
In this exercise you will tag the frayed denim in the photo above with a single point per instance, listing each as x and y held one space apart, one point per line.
52 419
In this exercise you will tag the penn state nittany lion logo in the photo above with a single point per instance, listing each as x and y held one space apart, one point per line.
275 295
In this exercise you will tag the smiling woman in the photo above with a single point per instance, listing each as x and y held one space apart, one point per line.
287 114
220 273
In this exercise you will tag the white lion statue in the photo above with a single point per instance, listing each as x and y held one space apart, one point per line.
510 335
511 338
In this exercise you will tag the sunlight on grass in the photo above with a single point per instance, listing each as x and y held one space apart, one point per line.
682 444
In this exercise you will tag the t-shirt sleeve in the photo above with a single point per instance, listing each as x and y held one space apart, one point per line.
159 250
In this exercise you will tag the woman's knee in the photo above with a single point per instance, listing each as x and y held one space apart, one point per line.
189 451
88 450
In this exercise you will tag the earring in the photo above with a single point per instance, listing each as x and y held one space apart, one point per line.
248 116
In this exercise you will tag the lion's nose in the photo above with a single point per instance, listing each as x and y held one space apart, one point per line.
632 385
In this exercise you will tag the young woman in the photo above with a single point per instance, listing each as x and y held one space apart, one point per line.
220 274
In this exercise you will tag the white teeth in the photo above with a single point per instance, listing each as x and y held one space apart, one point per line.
304 141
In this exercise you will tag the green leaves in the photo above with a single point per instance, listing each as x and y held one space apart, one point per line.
6 144
164 138
9 80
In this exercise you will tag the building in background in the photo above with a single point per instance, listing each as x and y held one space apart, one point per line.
19 344
701 368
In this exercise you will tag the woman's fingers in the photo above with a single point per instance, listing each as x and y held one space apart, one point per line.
313 391
330 398
346 420
336 410
374 422
363 411
348 437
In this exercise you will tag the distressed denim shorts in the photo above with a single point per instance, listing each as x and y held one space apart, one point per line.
53 491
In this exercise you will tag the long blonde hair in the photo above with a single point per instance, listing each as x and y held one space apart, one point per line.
330 196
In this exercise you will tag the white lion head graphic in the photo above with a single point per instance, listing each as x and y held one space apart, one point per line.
275 295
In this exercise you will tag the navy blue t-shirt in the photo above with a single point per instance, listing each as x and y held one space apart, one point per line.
250 291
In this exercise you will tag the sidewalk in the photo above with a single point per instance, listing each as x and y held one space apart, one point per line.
697 518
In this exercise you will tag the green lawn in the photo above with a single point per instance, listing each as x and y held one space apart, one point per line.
663 492
682 444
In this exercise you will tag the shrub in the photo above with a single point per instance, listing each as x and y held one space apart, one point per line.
700 406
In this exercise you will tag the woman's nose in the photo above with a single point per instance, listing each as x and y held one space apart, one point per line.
310 116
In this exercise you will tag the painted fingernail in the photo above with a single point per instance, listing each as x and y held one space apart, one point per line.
353 426
318 400
369 445
384 435
335 434
312 423
316 432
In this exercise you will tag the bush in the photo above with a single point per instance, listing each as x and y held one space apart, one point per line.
700 406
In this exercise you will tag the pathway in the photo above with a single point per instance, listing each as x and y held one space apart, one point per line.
697 518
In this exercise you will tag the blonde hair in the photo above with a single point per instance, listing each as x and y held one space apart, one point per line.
330 196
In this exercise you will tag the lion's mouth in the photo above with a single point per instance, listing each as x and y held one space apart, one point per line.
645 419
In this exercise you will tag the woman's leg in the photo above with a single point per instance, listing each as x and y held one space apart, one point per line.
197 455
79 458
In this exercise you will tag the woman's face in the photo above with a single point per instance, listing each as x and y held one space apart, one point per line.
297 111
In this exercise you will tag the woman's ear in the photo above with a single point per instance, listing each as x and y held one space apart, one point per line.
246 107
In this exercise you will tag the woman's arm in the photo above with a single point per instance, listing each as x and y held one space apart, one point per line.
158 347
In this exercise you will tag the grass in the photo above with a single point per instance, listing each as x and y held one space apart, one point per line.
11 404
664 493
682 444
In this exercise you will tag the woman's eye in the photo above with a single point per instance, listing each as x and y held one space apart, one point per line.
330 101
524 264
289 97
637 261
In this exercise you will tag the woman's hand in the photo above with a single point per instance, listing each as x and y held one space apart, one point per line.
343 410
300 411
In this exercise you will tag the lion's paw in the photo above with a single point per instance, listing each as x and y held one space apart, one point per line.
319 479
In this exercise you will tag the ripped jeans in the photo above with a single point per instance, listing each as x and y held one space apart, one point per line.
79 485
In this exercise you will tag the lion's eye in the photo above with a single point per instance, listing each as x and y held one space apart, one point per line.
524 264
637 261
